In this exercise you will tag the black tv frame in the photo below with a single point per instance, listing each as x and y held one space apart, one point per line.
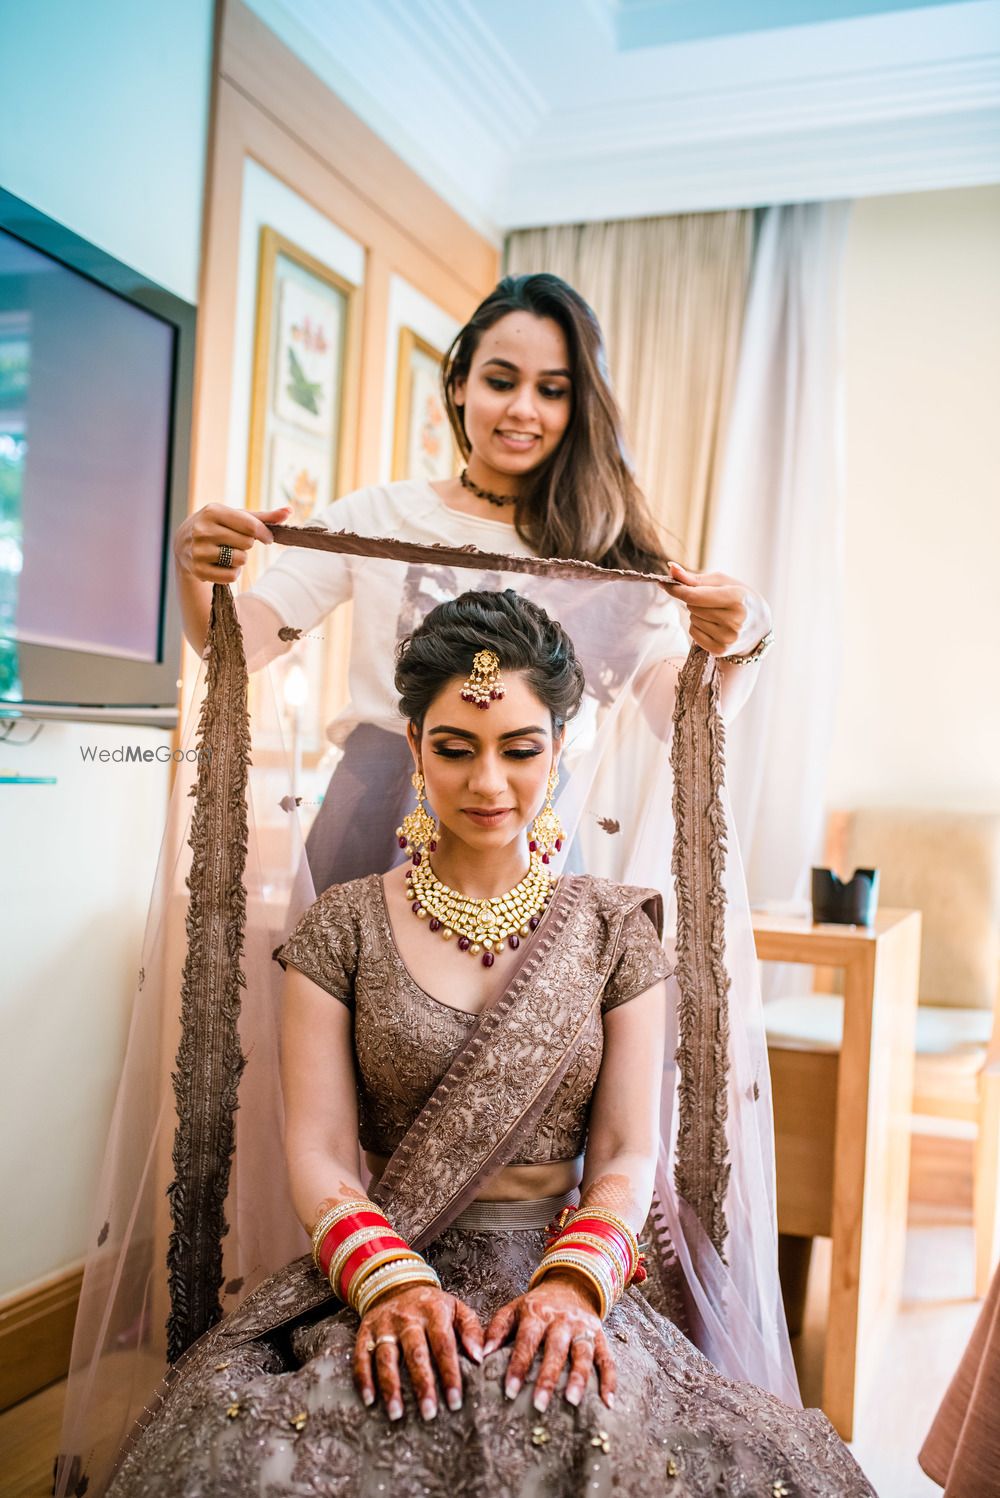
82 686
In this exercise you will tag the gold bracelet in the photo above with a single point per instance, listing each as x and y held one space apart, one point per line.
378 1261
604 1214
390 1276
585 1265
620 1271
753 655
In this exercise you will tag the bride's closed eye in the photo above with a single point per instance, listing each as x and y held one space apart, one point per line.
448 753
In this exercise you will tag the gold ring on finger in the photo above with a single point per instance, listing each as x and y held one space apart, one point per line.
583 1337
225 556
369 1345
385 1337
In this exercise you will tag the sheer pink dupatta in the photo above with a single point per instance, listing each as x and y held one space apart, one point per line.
643 801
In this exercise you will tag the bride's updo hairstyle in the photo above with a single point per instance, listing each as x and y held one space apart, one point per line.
522 635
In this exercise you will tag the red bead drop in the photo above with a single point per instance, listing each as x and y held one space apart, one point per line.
434 923
558 844
545 858
415 906
533 923
464 944
402 842
532 846
488 959
514 942
416 859
433 847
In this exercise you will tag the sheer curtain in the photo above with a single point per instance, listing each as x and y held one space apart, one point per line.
778 522
669 294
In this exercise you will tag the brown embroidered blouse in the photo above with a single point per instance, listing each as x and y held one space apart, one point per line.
405 1040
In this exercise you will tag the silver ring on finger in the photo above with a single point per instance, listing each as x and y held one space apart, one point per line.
385 1337
590 1337
225 557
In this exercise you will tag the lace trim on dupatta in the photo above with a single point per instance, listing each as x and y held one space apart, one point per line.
209 1058
697 757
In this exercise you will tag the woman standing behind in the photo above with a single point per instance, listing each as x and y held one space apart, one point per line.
528 396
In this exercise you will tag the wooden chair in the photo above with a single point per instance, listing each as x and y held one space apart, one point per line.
947 865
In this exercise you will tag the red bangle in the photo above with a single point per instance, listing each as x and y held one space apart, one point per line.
342 1230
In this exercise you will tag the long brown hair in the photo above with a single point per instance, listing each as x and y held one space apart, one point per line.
583 502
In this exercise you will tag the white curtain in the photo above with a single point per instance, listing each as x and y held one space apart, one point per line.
778 522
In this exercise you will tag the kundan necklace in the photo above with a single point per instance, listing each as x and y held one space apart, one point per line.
481 926
494 499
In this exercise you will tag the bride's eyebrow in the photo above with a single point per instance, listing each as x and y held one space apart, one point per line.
463 733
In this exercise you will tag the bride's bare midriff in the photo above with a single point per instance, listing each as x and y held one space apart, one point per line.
515 1183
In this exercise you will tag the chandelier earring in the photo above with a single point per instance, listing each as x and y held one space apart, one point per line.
419 830
547 832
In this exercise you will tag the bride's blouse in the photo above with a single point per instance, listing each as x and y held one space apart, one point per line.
405 1040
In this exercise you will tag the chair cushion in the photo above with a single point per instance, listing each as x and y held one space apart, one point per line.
815 1022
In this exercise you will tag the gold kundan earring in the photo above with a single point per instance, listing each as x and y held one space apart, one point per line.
547 832
419 830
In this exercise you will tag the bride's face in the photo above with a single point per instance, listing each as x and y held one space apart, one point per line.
486 770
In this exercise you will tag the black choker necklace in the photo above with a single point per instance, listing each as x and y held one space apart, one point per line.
494 499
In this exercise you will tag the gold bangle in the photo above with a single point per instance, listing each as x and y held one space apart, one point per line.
590 1269
377 1261
755 654
391 1276
619 1269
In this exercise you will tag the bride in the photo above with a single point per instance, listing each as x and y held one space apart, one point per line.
478 1314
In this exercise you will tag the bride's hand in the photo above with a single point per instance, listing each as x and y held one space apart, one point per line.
561 1312
422 1321
726 616
198 538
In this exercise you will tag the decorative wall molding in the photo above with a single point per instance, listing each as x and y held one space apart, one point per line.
520 114
36 1332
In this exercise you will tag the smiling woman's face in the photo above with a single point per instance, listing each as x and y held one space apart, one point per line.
486 770
519 393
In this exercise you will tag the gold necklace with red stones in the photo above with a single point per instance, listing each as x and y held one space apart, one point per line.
481 926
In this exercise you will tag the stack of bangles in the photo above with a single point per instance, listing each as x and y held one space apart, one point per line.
600 1246
355 1248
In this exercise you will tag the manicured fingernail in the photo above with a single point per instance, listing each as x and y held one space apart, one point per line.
609 1400
513 1385
395 1409
573 1394
541 1401
454 1399
428 1408
476 1352
491 1346
368 1396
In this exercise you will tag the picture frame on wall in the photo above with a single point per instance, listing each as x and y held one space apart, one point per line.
423 443
305 380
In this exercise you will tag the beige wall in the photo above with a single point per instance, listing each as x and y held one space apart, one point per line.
918 719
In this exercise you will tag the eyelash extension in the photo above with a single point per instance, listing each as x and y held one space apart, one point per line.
446 753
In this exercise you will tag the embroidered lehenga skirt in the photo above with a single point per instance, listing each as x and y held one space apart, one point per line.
265 1404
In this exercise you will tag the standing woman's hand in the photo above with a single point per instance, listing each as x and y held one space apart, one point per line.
727 616
197 539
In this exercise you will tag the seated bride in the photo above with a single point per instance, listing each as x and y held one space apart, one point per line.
478 1315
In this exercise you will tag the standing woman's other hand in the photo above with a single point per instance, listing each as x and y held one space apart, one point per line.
726 616
197 539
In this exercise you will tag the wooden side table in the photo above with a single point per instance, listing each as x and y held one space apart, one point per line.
842 1130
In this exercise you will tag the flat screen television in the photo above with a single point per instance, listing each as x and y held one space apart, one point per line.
96 377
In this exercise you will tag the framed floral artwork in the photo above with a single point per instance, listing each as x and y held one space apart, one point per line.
304 379
423 444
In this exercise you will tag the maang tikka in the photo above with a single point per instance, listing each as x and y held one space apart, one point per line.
547 832
419 830
484 684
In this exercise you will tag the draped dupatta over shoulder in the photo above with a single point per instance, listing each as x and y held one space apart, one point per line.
194 1208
